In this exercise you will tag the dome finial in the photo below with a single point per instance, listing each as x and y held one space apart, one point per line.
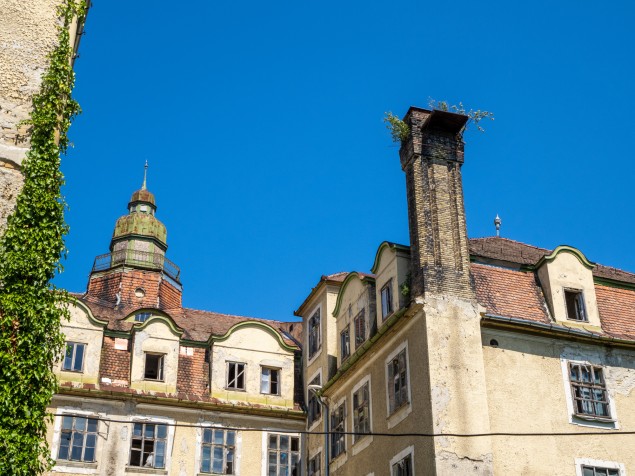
145 176
497 224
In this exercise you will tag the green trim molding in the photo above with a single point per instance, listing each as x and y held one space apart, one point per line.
390 245
352 275
565 249
266 327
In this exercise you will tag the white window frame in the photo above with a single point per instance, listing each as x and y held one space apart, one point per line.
347 330
277 370
265 448
153 420
403 411
388 286
319 454
64 466
579 462
161 369
198 457
74 344
579 301
332 408
235 389
311 358
314 423
410 450
590 420
362 442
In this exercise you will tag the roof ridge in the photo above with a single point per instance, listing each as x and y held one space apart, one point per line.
509 240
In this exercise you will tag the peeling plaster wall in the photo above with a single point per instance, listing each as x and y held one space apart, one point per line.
27 34
358 297
113 446
527 392
156 338
254 347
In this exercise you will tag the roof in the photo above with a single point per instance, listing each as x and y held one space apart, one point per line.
197 325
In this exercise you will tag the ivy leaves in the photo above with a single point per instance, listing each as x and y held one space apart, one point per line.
31 308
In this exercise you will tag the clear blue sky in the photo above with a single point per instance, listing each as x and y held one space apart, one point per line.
262 124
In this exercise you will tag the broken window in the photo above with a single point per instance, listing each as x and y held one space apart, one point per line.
315 465
361 412
575 305
398 381
315 338
338 437
218 451
314 410
283 455
78 439
588 389
270 381
154 367
360 328
142 316
147 448
386 300
403 467
236 375
345 343
596 471
74 357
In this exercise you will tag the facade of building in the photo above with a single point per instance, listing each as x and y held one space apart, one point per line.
150 387
468 356
29 33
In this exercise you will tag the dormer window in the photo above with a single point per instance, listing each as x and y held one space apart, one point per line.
574 300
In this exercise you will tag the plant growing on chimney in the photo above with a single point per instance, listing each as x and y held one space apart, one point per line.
475 116
399 130
31 308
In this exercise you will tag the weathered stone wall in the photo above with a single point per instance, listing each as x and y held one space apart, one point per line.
28 33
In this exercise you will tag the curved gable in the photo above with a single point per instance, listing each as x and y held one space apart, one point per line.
257 334
354 281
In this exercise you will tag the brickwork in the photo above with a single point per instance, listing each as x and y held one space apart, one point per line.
193 372
432 159
114 364
122 286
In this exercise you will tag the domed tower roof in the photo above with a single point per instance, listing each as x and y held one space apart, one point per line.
140 225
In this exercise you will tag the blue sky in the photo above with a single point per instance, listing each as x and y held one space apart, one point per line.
262 124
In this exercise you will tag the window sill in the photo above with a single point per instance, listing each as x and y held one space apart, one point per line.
142 470
594 422
229 389
65 466
398 415
362 443
313 358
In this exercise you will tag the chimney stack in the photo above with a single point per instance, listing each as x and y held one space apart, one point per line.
432 157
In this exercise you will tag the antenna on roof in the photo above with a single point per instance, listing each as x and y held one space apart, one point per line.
497 224
145 175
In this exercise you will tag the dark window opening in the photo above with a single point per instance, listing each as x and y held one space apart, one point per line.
154 367
575 305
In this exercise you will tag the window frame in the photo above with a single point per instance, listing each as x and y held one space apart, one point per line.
313 402
236 377
579 306
338 435
160 368
317 467
401 456
166 441
314 334
345 336
202 444
278 372
389 308
367 422
85 434
361 328
579 401
73 356
267 449
580 463
404 388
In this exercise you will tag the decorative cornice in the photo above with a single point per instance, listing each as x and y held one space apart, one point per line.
386 244
352 275
266 327
565 249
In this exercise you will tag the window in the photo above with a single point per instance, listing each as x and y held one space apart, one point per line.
147 447
154 367
575 305
270 381
403 467
235 375
315 340
338 441
315 408
361 412
596 471
397 381
142 316
360 328
345 343
217 451
588 390
78 439
386 300
74 357
315 465
283 455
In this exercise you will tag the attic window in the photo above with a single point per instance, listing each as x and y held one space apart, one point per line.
142 316
574 300
154 367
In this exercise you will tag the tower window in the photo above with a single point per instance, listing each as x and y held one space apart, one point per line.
574 300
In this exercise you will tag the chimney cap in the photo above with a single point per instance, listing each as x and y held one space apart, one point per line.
447 121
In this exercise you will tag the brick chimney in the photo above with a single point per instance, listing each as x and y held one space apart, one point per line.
432 157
